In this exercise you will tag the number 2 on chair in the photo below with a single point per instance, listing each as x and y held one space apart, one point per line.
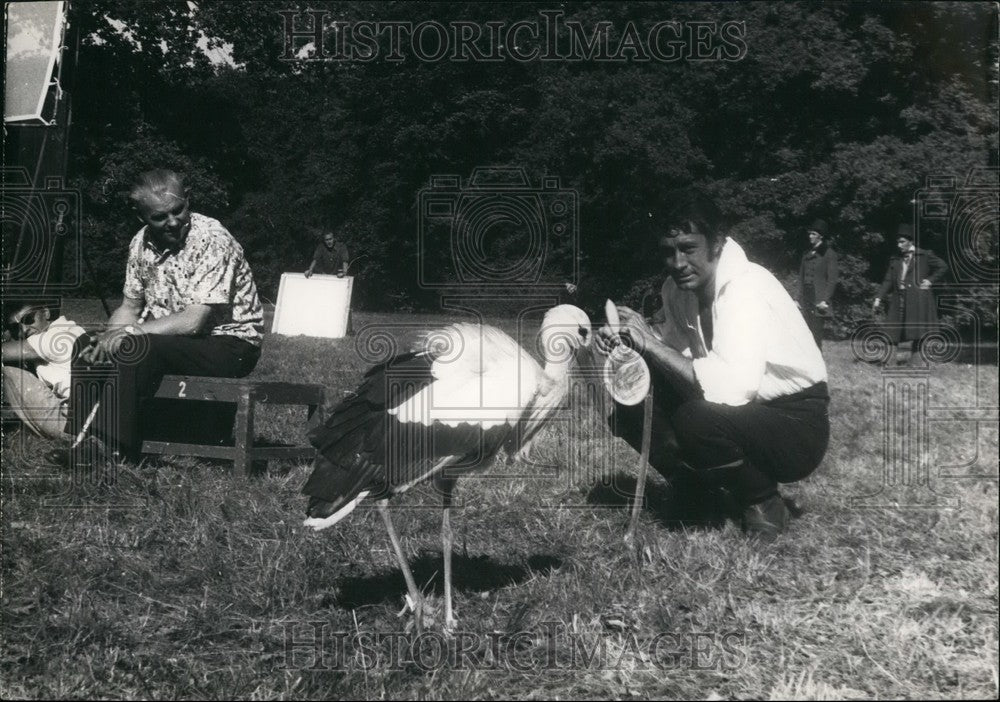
183 387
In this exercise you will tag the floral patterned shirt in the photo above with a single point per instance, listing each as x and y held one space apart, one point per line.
209 269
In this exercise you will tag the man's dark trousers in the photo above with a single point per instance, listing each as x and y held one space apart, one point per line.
746 450
125 388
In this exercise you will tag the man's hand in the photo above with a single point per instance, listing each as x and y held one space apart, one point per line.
925 284
104 346
633 325
876 305
342 272
100 349
309 272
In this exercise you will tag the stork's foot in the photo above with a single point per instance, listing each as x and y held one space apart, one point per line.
423 614
426 616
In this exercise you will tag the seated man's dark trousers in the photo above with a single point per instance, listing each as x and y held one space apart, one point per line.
744 451
126 387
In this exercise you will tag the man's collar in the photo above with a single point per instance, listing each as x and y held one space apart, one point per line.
162 254
733 262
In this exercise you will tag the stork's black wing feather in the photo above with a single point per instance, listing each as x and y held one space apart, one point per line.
361 446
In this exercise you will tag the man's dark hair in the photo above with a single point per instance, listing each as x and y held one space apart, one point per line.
689 210
319 232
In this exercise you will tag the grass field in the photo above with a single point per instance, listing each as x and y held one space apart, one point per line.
185 580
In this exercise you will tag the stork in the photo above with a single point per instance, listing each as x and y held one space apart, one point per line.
435 413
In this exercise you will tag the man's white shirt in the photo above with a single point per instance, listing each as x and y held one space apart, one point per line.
55 347
761 346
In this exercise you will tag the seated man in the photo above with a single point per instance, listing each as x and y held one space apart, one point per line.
190 307
40 399
746 397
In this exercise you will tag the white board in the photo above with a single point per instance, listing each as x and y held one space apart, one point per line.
314 306
34 36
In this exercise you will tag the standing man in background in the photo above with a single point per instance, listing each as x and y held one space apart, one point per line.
330 258
907 285
817 279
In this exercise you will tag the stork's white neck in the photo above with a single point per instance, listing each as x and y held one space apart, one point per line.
557 370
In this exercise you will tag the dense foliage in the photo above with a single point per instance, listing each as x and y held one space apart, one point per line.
839 111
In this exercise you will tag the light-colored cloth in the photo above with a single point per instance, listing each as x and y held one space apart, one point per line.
209 269
35 403
761 347
55 346
907 258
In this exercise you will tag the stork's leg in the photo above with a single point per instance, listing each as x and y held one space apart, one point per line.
411 584
447 541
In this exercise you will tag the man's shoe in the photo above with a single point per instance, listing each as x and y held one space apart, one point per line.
765 520
795 510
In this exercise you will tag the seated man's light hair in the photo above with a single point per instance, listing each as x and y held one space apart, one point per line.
159 182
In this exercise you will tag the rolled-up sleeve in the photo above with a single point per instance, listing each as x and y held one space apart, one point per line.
732 371
134 287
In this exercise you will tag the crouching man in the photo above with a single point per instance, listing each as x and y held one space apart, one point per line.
741 395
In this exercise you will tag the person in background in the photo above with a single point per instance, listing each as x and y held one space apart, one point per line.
912 313
817 279
330 258
40 399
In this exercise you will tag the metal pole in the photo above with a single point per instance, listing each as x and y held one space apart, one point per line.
640 486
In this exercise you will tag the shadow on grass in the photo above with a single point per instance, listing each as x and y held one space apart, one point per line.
475 574
670 507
